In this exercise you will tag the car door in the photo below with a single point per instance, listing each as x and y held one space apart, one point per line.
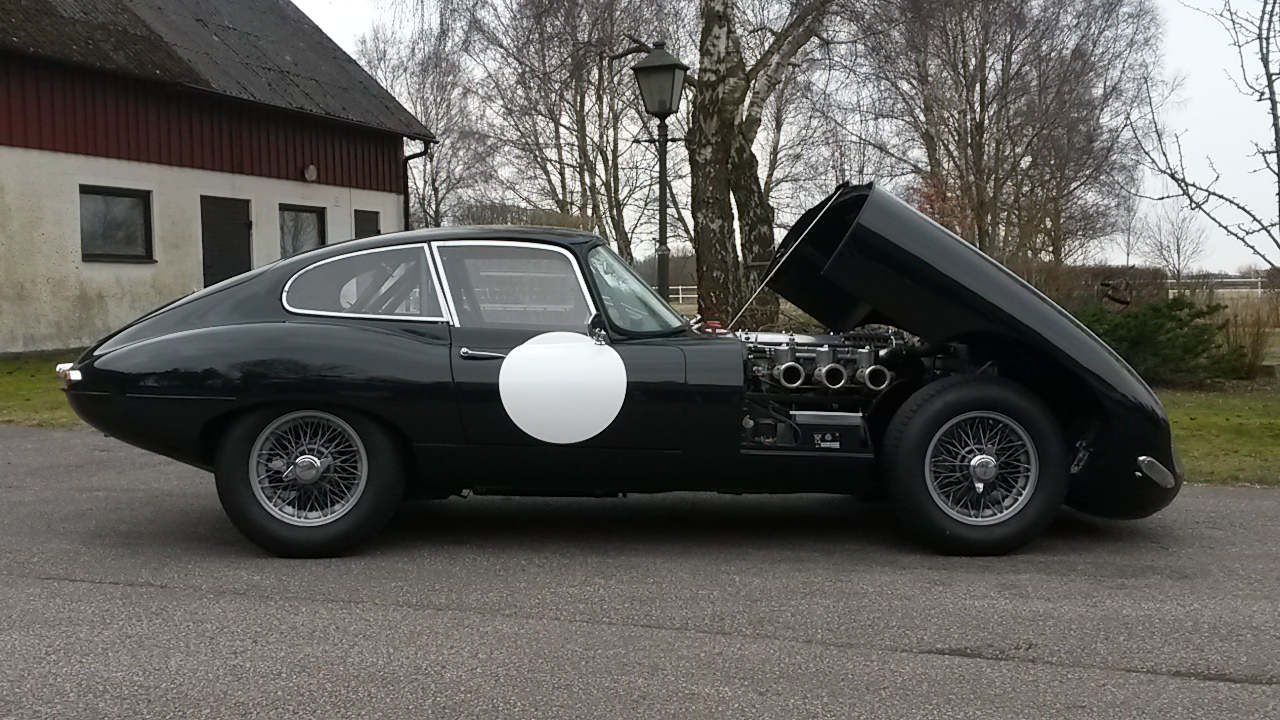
387 349
527 375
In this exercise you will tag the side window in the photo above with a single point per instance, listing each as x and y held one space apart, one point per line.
395 282
513 286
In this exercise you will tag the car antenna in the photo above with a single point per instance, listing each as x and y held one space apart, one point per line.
791 249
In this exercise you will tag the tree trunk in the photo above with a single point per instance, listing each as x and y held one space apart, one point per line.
728 102
716 259
755 228
717 98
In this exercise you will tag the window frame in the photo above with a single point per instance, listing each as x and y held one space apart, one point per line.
448 289
149 256
322 224
431 271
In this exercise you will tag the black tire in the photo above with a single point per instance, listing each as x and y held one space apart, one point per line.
365 512
944 410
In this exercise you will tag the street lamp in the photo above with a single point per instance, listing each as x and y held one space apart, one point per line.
661 78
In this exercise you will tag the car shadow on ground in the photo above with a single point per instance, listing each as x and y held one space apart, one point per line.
639 520
814 522
692 522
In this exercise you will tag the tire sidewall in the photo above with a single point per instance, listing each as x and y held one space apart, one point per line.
913 430
384 487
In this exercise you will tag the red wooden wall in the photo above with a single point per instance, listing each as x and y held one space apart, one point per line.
53 107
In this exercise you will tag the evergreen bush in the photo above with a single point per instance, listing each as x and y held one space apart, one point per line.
1169 343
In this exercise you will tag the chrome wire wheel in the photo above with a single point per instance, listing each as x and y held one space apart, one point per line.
981 468
308 468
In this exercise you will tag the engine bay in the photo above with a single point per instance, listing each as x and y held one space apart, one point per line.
808 392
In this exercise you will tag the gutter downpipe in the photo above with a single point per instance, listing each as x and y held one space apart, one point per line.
426 148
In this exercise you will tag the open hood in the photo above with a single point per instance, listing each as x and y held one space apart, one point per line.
863 256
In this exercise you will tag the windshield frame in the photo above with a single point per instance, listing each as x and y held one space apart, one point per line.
603 308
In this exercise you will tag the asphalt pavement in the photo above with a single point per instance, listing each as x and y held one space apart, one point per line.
125 593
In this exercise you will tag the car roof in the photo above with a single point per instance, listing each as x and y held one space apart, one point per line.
575 241
515 233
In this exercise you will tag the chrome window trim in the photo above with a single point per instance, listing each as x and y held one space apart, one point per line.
444 277
435 277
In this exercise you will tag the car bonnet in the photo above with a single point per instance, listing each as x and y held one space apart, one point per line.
862 256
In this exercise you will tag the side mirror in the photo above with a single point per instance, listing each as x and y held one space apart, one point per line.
598 330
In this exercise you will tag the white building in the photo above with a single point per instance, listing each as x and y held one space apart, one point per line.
151 148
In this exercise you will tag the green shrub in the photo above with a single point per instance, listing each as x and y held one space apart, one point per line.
1169 343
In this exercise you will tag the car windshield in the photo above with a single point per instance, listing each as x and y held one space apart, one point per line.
632 305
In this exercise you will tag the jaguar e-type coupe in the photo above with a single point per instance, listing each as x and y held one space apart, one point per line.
324 388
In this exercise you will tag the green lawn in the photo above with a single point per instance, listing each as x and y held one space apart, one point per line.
29 392
1227 436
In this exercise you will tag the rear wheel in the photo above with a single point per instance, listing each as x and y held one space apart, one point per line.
308 483
975 465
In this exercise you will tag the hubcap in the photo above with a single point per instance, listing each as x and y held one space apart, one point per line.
981 468
308 468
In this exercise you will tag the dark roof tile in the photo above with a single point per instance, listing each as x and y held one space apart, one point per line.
264 51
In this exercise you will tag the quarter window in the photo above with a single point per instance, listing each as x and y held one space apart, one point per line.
301 229
513 286
396 282
115 224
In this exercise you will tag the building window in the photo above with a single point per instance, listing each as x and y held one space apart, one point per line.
367 223
301 229
115 224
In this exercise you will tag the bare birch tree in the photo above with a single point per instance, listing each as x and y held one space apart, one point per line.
1013 115
421 66
562 104
1129 233
727 110
1173 239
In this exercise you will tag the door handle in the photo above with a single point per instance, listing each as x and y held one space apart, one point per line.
469 354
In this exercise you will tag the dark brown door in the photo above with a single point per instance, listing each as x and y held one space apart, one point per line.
225 230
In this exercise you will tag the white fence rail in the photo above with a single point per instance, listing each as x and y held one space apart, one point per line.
683 294
1254 287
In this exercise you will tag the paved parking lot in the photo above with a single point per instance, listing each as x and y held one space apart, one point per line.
125 593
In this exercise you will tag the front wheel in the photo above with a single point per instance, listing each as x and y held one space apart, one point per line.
975 465
308 483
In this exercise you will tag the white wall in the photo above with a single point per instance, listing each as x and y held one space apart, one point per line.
51 299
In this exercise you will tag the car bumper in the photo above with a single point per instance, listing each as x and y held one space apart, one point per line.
1126 487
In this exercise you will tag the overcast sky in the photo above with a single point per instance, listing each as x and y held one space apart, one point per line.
1218 121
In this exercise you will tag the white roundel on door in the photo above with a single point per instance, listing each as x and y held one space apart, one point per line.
562 387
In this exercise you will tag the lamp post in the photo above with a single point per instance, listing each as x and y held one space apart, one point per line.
661 78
